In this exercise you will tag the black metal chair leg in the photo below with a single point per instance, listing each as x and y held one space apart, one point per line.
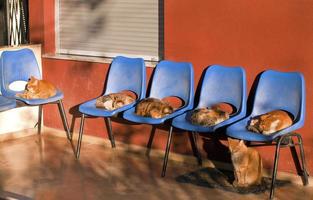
80 137
295 156
304 169
194 146
39 119
111 136
167 151
64 120
274 173
149 145
195 138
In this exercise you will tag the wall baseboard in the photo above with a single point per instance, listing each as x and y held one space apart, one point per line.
18 134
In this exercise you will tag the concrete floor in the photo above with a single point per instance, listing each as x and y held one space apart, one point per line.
44 167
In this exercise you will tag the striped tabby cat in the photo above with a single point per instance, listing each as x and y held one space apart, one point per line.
114 101
152 107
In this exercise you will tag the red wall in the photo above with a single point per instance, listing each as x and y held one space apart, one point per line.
257 35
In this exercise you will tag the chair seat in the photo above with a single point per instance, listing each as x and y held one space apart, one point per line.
239 131
131 116
6 104
182 122
59 95
89 108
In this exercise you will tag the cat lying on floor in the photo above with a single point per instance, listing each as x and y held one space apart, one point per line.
211 116
38 89
247 164
152 107
270 122
114 101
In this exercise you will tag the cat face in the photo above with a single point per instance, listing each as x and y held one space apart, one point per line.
235 145
254 125
32 84
160 111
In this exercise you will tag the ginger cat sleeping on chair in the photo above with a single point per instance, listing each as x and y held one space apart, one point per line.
38 89
270 122
247 164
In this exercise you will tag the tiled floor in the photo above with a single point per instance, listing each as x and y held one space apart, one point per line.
44 167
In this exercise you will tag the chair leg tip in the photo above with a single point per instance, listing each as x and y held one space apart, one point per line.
77 155
306 181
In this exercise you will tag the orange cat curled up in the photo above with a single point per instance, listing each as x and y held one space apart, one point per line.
270 122
38 89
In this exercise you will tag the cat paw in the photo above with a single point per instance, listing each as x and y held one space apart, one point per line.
20 95
239 185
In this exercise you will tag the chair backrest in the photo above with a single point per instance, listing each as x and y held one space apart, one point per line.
17 65
127 74
224 84
280 90
173 79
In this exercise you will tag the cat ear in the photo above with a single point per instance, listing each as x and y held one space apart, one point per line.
242 143
34 80
231 143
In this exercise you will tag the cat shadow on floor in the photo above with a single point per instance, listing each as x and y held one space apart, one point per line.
222 179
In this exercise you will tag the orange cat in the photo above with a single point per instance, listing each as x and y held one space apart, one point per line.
152 107
247 164
270 122
113 101
38 89
211 116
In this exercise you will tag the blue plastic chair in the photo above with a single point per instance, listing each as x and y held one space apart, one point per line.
20 65
174 79
276 91
219 84
125 74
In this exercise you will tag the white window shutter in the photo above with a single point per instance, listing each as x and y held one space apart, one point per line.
108 28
